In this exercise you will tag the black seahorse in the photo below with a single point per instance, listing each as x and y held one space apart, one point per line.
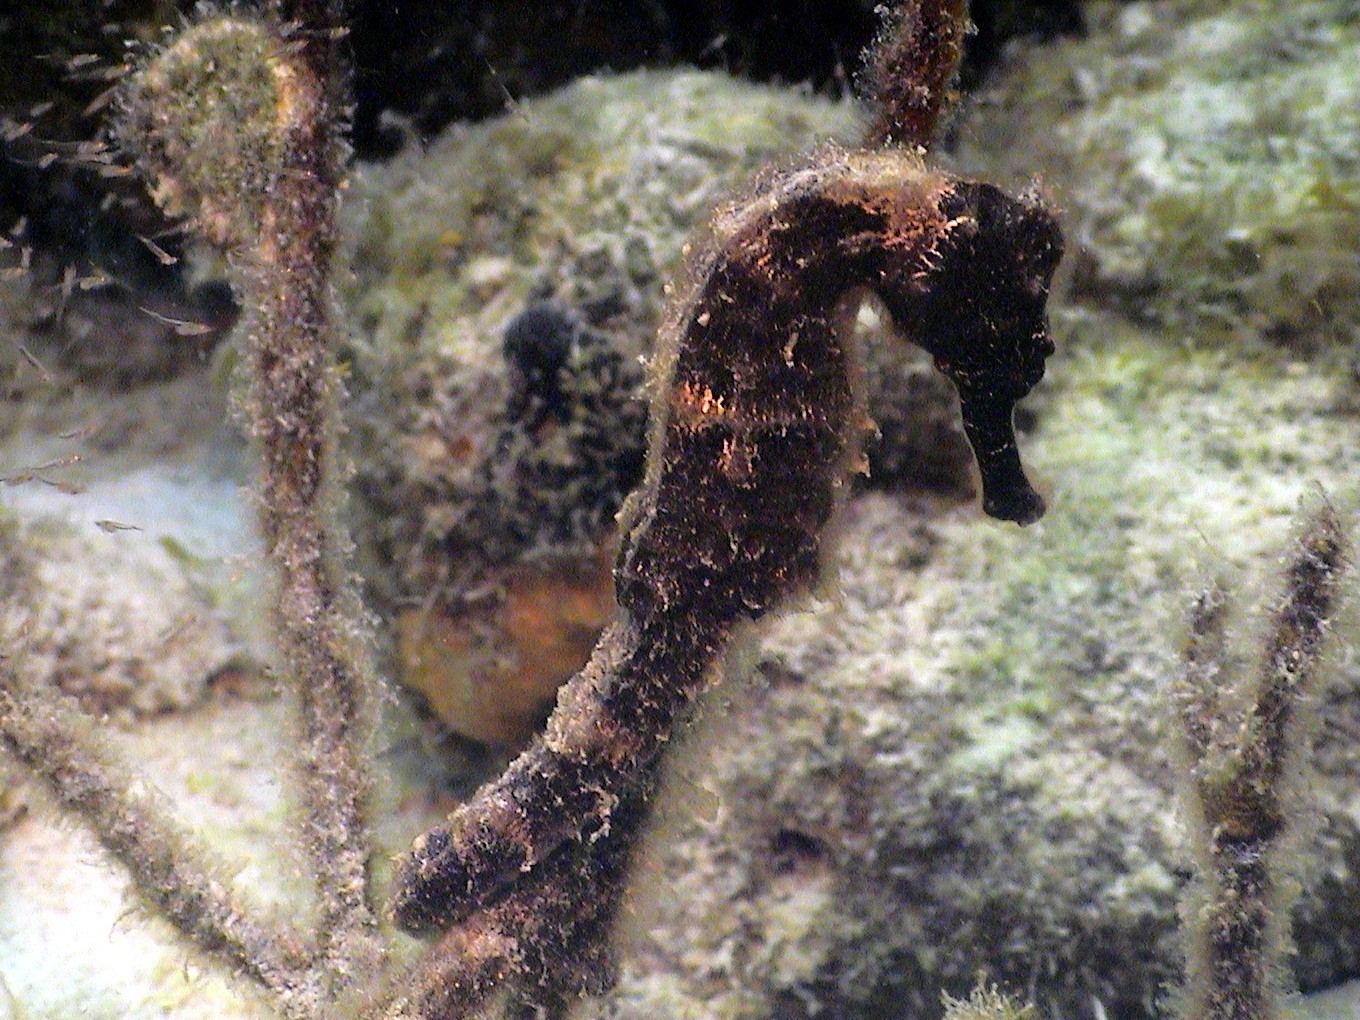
757 429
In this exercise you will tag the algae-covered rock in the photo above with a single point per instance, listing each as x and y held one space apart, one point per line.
506 284
1206 154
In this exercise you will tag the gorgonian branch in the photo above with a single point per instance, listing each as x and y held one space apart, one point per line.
53 737
237 125
1241 739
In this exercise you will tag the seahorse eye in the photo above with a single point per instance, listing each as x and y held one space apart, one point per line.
1039 244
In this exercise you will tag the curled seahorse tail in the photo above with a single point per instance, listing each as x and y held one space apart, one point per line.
611 722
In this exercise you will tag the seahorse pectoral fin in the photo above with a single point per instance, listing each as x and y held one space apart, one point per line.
1007 494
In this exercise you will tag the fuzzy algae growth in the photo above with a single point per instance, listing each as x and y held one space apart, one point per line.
203 114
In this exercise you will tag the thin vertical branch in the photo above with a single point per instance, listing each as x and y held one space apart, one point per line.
911 69
238 123
293 403
1237 774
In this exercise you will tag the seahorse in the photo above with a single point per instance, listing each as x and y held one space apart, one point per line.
757 430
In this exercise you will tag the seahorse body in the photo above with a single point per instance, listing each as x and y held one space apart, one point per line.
757 429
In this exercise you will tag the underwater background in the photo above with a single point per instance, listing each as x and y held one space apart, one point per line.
955 760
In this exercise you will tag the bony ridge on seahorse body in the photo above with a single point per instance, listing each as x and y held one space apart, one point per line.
758 423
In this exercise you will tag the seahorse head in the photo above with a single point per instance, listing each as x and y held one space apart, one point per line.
975 299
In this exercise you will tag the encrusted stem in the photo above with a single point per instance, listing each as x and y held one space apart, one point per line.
292 403
58 742
1238 771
